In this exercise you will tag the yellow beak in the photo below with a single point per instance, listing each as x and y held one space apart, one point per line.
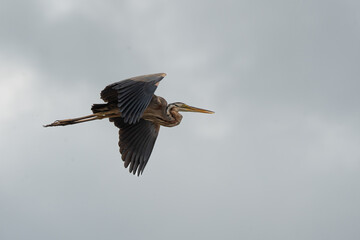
187 108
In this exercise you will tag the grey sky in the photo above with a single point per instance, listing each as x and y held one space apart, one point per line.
280 159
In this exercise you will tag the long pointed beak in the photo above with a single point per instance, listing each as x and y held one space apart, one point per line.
187 108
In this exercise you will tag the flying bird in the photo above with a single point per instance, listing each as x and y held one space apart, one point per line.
138 113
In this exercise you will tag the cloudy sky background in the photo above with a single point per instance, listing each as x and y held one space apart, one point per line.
280 159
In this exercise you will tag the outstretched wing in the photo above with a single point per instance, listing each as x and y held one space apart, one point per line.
136 142
132 95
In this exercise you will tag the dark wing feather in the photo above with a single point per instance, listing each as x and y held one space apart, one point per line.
132 95
136 142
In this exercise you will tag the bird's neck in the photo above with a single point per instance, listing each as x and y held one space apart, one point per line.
174 118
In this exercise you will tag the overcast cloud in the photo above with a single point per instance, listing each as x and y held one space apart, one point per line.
280 159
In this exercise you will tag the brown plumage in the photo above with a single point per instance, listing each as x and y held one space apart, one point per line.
134 108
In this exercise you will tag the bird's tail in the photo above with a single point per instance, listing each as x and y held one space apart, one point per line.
101 107
74 120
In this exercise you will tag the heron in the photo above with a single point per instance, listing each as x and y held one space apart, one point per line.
138 113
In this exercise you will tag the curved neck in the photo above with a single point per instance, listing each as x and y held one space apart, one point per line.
167 115
172 118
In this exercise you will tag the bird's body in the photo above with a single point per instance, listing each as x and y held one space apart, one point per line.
134 108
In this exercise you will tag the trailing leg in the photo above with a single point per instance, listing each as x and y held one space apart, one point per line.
74 120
